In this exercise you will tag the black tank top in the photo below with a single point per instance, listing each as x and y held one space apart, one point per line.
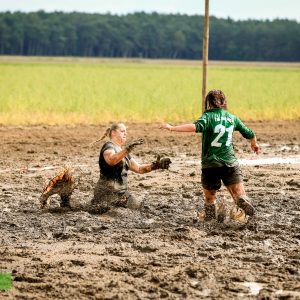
117 172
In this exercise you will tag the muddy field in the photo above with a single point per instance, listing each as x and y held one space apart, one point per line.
162 251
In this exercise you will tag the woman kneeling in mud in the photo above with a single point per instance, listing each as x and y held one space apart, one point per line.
114 163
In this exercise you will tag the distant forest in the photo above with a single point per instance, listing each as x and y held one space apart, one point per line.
146 36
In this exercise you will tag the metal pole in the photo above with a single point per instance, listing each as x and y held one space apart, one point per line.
205 53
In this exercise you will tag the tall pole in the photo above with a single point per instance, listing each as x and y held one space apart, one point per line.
205 53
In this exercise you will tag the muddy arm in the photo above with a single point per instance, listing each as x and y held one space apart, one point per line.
140 169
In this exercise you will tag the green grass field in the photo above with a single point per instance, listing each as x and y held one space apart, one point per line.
58 91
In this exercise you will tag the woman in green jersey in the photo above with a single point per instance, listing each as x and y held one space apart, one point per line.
219 163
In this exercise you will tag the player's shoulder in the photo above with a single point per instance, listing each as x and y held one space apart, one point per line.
107 145
230 115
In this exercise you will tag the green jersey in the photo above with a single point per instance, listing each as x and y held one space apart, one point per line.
217 126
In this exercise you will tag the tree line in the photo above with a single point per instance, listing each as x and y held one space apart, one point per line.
146 35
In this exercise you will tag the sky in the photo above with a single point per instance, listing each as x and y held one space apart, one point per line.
235 9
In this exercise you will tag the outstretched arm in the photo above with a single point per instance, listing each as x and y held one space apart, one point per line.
160 163
137 168
179 128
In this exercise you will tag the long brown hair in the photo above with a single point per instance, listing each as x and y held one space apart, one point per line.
215 99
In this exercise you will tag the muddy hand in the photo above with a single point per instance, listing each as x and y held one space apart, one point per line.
161 163
129 147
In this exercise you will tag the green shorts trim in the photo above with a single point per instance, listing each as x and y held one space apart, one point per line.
212 178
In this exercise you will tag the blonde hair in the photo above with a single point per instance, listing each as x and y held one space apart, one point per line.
108 132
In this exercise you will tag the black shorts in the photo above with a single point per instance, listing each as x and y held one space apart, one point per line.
211 177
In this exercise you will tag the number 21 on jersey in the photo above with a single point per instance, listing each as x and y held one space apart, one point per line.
221 130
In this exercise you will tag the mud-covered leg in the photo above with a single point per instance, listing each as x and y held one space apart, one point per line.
243 202
221 212
210 211
210 207
238 193
101 199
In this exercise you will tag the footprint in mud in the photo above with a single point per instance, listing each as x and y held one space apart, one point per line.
61 235
293 183
27 278
145 248
79 263
57 210
272 232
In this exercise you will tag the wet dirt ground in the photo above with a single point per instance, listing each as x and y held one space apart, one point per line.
162 251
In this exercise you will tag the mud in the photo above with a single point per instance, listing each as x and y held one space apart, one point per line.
161 251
